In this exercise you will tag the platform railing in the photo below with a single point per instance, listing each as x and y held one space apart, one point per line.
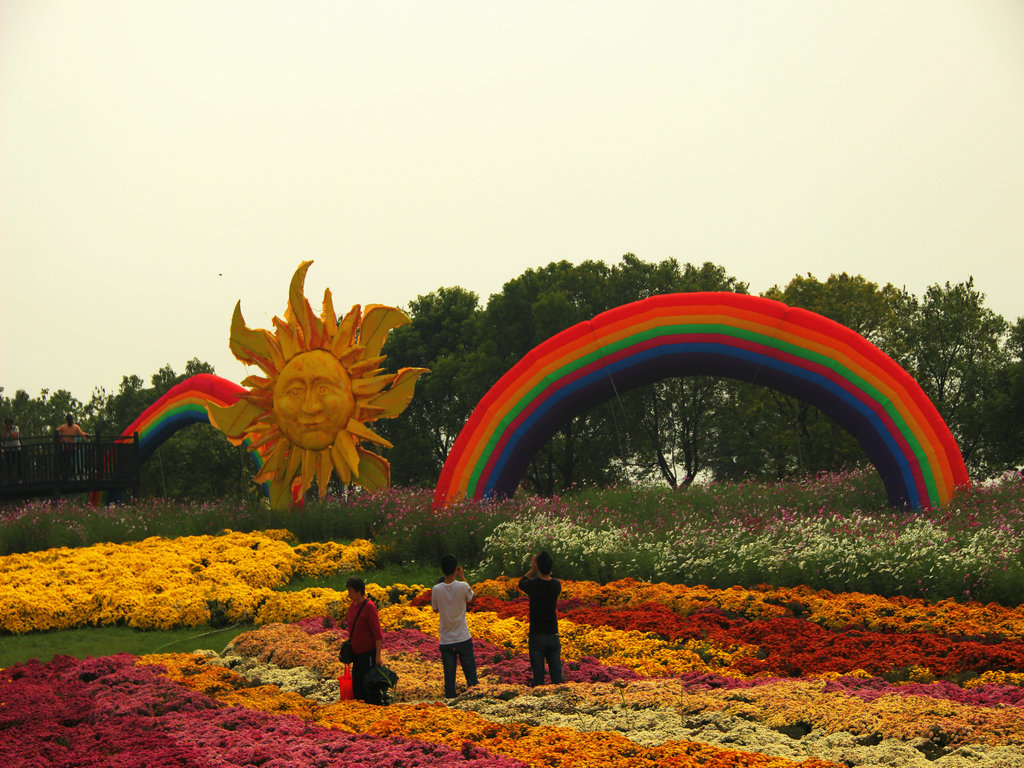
47 466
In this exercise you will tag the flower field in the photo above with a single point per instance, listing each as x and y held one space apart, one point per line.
657 674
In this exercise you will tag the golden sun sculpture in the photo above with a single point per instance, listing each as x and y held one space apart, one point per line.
307 416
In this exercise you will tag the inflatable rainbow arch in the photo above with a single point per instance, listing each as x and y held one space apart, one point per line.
182 405
745 337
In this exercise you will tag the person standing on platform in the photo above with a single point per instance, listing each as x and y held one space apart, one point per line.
10 443
69 433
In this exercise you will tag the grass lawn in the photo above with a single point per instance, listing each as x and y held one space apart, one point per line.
104 641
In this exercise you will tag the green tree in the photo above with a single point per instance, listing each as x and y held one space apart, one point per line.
673 428
850 300
540 303
441 336
957 355
1005 411
529 310
747 446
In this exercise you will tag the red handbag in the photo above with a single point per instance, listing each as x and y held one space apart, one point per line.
345 684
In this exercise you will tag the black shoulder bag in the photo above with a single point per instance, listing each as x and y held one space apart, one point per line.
345 654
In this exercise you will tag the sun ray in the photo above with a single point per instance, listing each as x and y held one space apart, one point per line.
366 367
374 472
323 379
280 493
272 434
344 337
398 397
359 429
372 385
346 449
310 464
378 322
258 347
341 465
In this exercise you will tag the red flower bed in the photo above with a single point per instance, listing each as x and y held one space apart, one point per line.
112 712
792 647
796 648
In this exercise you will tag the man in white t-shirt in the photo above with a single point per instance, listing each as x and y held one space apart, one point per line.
449 599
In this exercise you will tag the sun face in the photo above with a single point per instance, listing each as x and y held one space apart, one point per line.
323 381
313 399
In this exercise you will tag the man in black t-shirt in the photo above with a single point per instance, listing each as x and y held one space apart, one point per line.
545 645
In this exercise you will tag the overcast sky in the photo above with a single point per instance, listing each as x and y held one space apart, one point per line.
160 161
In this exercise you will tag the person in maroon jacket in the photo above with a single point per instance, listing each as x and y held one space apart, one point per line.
367 638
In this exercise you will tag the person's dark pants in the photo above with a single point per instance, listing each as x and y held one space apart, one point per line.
67 461
361 664
451 654
545 648
12 465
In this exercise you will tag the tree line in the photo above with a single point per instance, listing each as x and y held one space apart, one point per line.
968 359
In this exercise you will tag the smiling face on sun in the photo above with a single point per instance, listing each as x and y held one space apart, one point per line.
323 381
313 399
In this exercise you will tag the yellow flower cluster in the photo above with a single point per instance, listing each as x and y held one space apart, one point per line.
152 584
288 607
557 747
995 677
503 588
210 679
641 651
684 600
325 559
907 614
162 583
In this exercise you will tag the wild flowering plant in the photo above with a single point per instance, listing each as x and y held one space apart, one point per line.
583 551
886 553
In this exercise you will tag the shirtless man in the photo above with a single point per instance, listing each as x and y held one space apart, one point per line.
68 432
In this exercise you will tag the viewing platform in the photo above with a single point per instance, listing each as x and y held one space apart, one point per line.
45 466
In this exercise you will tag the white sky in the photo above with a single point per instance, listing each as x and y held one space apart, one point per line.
160 160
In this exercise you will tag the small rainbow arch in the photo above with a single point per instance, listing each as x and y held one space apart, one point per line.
182 405
750 338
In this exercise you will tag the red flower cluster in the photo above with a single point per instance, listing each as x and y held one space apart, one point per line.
112 712
793 647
